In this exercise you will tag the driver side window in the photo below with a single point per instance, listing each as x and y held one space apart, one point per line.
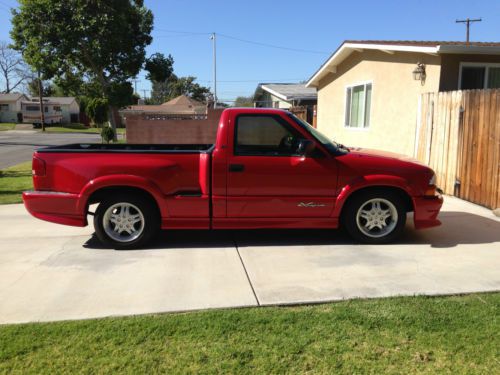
264 135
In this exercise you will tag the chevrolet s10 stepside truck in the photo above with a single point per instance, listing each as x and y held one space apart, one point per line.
267 169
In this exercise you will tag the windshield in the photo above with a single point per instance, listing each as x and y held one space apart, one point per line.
320 137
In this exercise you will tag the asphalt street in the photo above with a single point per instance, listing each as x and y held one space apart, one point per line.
52 272
17 146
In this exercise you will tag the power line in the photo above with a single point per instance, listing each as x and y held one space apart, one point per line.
246 41
182 32
272 45
175 36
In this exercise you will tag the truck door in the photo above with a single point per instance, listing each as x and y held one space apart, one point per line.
267 179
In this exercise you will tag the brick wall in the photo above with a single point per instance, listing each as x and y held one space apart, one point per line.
146 128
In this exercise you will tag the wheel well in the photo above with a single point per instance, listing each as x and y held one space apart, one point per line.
385 189
98 195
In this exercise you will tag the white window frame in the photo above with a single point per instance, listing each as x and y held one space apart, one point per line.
476 65
351 86
4 107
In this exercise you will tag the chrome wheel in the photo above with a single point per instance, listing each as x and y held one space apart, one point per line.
123 222
377 217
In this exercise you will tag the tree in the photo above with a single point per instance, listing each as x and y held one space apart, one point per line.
97 110
187 86
160 71
13 69
244 101
103 41
159 67
47 89
166 85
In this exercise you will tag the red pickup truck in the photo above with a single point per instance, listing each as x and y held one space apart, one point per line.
267 169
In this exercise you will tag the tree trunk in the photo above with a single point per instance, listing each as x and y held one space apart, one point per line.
40 97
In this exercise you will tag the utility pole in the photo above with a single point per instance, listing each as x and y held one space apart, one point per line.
468 22
135 84
213 38
40 100
144 91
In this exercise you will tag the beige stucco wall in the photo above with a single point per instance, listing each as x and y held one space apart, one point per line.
394 98
10 115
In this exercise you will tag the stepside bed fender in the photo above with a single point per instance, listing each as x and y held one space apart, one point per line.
120 181
363 182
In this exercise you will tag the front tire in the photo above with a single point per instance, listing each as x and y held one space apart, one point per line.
126 222
375 217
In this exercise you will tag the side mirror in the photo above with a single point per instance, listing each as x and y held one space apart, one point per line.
305 147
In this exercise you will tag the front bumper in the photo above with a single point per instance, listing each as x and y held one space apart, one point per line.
60 208
426 210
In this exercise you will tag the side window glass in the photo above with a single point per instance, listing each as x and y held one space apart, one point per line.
264 135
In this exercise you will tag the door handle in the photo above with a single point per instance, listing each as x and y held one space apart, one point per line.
236 167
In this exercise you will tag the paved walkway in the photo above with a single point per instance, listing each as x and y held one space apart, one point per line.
17 146
52 272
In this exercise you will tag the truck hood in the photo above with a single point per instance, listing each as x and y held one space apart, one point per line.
365 162
366 152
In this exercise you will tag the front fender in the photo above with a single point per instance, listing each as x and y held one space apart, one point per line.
369 181
117 180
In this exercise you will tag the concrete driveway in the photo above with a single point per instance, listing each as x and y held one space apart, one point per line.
16 146
51 272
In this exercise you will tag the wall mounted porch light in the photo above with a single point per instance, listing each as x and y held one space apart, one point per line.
419 73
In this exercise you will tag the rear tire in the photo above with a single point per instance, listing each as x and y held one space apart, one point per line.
375 217
126 222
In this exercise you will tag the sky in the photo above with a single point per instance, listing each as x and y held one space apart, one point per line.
306 32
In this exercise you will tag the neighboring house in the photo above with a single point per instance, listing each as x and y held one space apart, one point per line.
284 95
60 109
70 109
368 91
181 105
10 107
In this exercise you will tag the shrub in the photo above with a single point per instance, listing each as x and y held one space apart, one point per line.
107 134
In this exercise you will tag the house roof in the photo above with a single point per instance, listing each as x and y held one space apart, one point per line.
184 101
288 91
11 97
61 99
392 46
180 105
423 43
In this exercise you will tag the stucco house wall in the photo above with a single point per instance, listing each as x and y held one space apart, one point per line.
69 106
14 107
394 98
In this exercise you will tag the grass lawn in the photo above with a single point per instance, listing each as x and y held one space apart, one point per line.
7 126
77 128
455 335
13 181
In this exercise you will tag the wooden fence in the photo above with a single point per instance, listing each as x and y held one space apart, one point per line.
458 135
306 113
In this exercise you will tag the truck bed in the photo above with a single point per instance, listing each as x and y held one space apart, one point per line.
129 148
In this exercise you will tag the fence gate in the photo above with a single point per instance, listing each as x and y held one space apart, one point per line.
458 135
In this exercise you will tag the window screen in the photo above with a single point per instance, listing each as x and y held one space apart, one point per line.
358 103
472 77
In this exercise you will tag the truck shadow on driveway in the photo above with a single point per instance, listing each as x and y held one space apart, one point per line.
457 228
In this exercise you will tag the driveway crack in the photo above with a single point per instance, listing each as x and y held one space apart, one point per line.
246 272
